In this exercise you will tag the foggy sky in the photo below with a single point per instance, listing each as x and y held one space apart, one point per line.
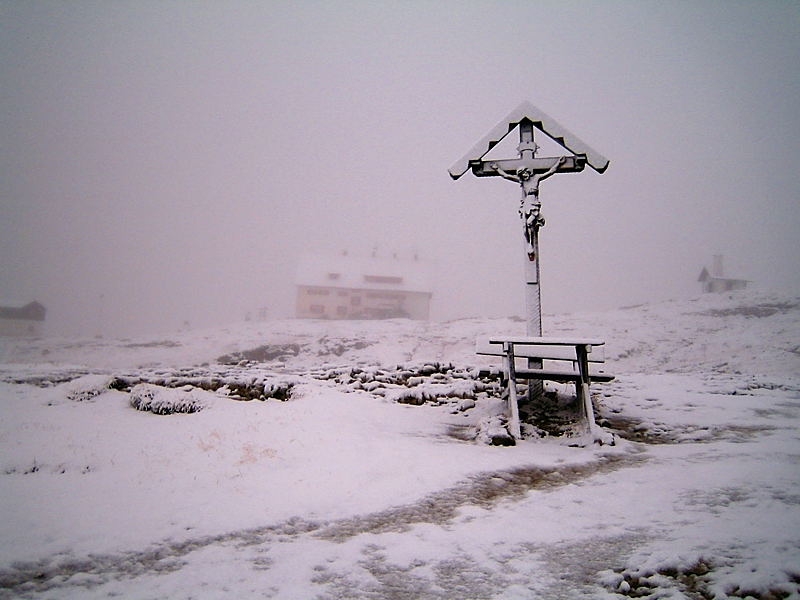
163 162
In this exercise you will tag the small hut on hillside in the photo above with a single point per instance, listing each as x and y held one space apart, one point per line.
21 320
716 281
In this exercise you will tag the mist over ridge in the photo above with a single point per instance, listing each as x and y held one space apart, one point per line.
165 165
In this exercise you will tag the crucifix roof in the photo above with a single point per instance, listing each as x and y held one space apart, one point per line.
541 121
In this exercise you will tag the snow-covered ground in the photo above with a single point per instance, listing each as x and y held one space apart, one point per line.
307 459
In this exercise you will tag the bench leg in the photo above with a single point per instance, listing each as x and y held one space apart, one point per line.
588 409
582 386
513 410
597 434
513 404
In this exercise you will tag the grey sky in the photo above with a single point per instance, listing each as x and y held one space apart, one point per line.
168 161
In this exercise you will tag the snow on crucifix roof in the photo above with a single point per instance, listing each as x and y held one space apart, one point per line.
541 121
356 272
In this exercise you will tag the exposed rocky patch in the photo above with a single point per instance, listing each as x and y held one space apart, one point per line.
649 432
155 344
265 353
237 383
759 311
692 581
432 383
163 401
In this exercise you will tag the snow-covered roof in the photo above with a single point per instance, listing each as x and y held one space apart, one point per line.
541 121
706 276
14 302
355 272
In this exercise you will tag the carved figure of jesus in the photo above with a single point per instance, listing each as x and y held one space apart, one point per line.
529 206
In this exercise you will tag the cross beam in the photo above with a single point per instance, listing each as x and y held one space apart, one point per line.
526 162
489 168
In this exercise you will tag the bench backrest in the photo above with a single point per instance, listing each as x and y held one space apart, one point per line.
546 352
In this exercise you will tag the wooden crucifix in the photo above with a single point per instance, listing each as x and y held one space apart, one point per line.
529 171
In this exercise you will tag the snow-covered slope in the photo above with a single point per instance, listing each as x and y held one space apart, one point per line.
349 472
746 332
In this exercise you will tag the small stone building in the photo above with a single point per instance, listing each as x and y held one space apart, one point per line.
716 281
21 320
348 287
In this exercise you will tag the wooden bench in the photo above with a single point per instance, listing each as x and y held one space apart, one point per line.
584 355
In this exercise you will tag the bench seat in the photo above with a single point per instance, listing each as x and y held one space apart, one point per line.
547 374
484 347
561 375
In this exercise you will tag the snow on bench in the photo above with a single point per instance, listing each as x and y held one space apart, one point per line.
551 349
584 354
